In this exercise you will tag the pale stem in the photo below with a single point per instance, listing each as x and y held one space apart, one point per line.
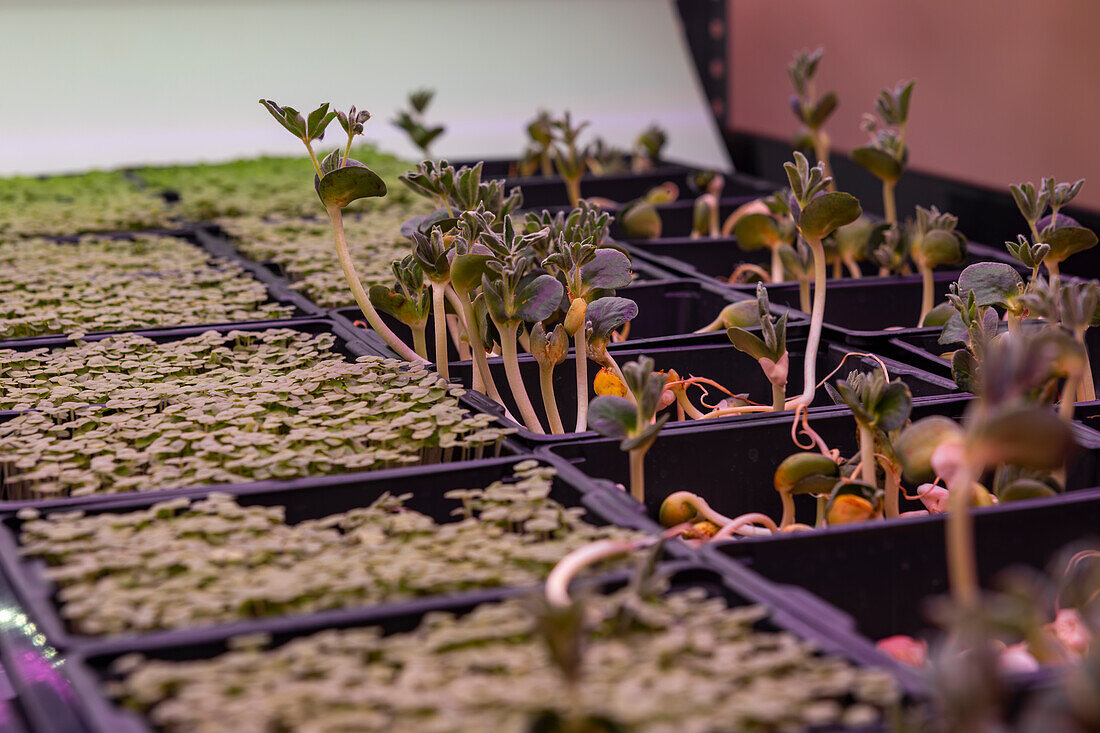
1069 396
893 488
515 380
683 403
580 357
619 373
477 347
313 157
1013 321
544 163
557 582
361 298
852 265
821 152
637 474
347 150
838 269
752 518
420 340
817 317
439 324
1052 270
549 402
456 330
777 266
779 397
573 188
804 294
788 509
459 316
962 570
889 207
822 505
927 292
867 455
1087 388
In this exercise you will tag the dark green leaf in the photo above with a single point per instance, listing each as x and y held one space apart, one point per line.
964 370
344 185
1066 241
878 162
748 343
894 406
645 437
608 314
826 105
993 283
756 231
466 271
827 212
612 417
537 297
609 270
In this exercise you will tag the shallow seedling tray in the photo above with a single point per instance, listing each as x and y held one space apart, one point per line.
539 191
306 498
732 466
351 343
714 358
88 671
277 292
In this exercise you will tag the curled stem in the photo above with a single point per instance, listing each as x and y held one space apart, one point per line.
361 298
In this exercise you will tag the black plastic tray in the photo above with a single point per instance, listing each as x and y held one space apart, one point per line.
881 573
732 466
277 292
351 343
306 498
678 216
739 587
713 357
541 191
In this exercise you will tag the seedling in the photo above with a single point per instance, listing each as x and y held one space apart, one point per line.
1061 233
886 155
647 148
816 214
812 111
1004 426
539 154
340 181
769 349
570 158
772 231
549 350
634 422
412 121
409 300
933 241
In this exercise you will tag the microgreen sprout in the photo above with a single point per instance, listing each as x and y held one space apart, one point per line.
1061 233
633 421
770 230
538 157
886 155
647 148
412 121
817 214
933 241
340 181
409 300
570 157
812 111
769 349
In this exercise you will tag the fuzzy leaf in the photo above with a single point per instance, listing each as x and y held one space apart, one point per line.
878 162
826 105
942 247
537 297
750 344
756 231
1066 241
612 417
826 212
344 185
993 283
607 314
609 270
964 370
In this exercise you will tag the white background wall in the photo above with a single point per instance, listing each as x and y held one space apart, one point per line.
101 83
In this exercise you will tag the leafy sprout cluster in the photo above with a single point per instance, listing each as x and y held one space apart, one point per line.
127 414
64 205
413 121
97 284
182 562
680 661
986 292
